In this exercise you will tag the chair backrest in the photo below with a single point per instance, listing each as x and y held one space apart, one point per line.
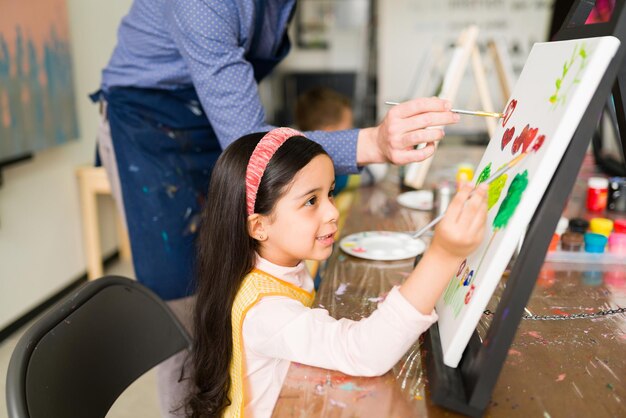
77 359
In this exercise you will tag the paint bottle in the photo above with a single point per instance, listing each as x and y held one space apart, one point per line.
597 193
595 243
464 173
578 225
442 195
617 243
616 201
602 226
619 226
571 241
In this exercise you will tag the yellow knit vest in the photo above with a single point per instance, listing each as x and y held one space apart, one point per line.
256 285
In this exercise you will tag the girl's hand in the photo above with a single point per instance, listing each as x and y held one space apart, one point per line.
463 227
417 121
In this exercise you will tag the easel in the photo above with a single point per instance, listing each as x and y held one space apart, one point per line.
467 389
466 49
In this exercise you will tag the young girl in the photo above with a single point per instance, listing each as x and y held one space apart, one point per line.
269 207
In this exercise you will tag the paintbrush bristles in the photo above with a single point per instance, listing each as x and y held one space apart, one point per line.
478 113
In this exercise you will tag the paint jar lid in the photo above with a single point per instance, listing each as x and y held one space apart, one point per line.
619 225
598 183
617 240
578 225
602 226
571 241
561 227
595 243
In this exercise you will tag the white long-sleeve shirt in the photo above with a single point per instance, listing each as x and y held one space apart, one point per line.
279 330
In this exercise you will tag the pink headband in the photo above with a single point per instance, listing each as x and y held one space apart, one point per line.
259 159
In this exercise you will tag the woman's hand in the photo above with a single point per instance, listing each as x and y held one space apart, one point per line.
405 126
463 227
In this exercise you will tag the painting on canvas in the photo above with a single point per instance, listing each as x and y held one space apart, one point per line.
547 103
37 104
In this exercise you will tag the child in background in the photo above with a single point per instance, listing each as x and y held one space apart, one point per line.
270 206
324 109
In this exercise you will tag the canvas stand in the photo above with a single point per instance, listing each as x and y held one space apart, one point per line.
467 388
466 50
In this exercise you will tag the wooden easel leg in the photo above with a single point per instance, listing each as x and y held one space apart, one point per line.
483 88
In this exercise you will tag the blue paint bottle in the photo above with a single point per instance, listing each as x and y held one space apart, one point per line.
595 243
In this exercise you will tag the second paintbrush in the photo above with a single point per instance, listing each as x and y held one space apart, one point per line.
491 179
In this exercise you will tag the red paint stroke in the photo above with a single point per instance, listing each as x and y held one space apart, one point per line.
561 377
461 267
508 112
359 250
468 295
506 138
539 142
524 139
560 312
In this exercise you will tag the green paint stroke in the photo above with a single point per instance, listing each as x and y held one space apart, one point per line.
580 54
496 186
495 190
512 199
484 175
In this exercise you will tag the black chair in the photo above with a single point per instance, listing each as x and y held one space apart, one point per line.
77 359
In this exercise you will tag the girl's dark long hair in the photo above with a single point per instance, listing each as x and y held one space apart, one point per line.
226 254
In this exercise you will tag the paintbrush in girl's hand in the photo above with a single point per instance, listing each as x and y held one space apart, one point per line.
490 180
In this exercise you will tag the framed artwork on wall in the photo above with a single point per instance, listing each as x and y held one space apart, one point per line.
37 100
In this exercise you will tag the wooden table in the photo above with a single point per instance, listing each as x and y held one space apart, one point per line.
556 368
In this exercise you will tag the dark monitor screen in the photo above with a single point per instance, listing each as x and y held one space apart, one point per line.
584 18
601 12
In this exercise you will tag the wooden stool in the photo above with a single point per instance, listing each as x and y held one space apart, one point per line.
93 181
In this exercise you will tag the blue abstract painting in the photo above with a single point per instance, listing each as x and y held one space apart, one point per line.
37 101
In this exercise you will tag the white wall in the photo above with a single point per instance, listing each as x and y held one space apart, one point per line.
40 222
412 34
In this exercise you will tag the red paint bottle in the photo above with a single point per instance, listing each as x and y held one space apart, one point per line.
597 193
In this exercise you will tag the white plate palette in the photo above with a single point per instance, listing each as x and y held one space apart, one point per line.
418 199
382 245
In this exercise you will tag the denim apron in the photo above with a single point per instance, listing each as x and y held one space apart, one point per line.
165 149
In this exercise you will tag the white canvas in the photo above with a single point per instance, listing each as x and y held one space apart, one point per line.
551 96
